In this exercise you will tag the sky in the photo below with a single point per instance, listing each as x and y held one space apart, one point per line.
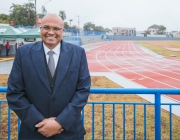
139 14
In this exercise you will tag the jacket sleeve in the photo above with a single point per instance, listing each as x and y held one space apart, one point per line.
16 96
68 116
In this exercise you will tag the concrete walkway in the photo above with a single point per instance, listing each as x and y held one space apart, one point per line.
6 58
5 67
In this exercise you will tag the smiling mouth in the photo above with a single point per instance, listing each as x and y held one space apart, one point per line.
50 37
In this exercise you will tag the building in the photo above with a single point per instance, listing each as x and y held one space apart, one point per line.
124 31
153 31
174 34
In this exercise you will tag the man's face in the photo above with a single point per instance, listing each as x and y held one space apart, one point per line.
51 31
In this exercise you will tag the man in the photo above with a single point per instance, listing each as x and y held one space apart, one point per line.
16 46
7 48
49 85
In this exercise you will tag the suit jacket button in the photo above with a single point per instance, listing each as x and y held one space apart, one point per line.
50 98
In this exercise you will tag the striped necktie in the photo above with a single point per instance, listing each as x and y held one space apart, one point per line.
51 62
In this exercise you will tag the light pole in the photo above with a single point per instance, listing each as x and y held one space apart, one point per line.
40 8
44 5
80 21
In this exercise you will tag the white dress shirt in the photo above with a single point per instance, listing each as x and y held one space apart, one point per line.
56 54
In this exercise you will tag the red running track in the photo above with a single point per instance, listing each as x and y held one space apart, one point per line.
136 64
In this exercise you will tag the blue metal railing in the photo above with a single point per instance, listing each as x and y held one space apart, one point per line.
157 104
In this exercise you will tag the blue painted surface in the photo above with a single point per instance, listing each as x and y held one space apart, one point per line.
74 40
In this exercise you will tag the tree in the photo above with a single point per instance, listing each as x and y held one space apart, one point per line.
74 27
16 14
70 21
154 26
62 14
147 32
43 12
107 30
66 26
99 29
162 29
4 18
23 14
89 26
30 10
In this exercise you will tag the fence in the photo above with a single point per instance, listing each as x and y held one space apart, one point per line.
74 40
157 105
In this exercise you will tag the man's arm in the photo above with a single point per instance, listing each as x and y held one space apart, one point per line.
16 96
68 116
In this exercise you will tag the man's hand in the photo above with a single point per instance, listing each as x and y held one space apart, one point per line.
49 127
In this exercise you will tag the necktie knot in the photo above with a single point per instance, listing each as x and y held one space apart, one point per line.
50 53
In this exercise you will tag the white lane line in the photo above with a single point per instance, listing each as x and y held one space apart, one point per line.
94 46
131 70
126 68
145 69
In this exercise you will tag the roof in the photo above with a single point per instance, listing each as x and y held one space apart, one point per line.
33 33
7 32
152 29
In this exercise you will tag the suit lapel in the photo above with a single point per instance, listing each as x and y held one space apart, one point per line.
37 53
63 65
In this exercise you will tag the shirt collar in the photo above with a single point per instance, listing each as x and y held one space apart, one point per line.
56 49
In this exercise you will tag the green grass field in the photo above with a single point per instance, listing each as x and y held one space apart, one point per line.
160 50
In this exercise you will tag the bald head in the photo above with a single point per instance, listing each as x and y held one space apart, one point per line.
52 28
54 17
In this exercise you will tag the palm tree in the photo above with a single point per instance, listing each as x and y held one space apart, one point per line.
15 13
13 10
44 11
70 21
62 14
13 6
30 10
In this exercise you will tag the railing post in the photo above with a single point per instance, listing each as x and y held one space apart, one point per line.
83 115
9 124
0 118
157 116
19 123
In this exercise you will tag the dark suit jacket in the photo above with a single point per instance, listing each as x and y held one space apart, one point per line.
29 93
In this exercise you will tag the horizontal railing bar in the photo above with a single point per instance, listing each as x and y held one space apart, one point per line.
3 89
138 103
3 101
126 90
134 90
133 103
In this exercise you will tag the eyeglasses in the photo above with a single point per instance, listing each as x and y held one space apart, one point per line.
54 29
